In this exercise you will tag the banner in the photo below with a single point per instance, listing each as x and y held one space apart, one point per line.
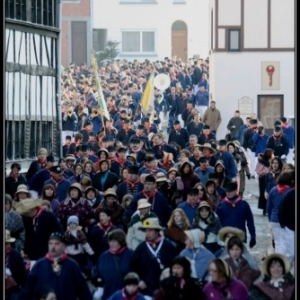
147 101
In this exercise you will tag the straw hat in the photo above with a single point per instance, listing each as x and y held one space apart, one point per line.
143 203
197 146
27 205
285 261
22 188
228 229
204 204
8 238
160 176
110 192
151 223
207 145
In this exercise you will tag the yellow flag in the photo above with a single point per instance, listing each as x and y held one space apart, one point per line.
101 100
148 96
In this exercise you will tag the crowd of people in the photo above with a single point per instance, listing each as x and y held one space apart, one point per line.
139 213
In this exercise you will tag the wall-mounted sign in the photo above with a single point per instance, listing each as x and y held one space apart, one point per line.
245 106
270 75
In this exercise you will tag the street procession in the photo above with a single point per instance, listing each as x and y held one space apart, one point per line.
147 177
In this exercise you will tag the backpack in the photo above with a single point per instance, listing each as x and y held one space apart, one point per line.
261 170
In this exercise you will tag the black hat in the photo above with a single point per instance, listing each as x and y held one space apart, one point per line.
111 149
134 140
253 121
131 278
277 128
203 159
206 126
176 122
276 123
84 148
87 123
122 149
193 191
222 143
56 169
150 178
133 170
231 186
50 158
57 236
68 137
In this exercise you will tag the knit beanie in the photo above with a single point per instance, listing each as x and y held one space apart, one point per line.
131 278
73 219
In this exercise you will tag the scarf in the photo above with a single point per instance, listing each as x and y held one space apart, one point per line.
232 203
57 182
43 163
277 282
56 265
15 177
282 188
126 296
285 125
154 243
206 135
120 161
105 228
132 184
151 195
121 250
39 211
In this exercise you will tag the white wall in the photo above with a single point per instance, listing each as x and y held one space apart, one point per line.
256 24
243 79
282 20
160 16
234 17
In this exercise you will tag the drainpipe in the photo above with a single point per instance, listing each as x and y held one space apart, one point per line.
58 80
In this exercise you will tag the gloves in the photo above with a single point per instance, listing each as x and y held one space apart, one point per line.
248 176
252 243
283 156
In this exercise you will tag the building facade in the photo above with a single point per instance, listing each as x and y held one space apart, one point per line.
153 29
252 59
76 31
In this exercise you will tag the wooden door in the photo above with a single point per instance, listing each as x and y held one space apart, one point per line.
179 40
79 42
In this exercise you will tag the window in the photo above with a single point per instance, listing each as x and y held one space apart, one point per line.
15 139
138 42
40 136
99 39
234 40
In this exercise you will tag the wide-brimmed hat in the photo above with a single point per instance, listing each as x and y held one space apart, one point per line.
22 188
8 238
207 145
232 144
197 146
110 192
143 203
27 205
77 186
151 223
71 157
196 235
204 204
228 229
237 144
285 261
160 176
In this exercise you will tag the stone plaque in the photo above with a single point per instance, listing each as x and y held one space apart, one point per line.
246 106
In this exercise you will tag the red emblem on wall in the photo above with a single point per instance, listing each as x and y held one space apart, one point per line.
270 70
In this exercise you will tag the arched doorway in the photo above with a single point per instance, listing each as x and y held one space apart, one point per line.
179 40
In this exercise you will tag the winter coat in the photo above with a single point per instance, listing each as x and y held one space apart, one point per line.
11 184
237 122
212 117
279 144
286 210
176 235
260 143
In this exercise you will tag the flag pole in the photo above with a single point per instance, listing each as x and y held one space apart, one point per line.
95 67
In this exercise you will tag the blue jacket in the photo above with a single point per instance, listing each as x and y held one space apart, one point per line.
240 134
290 135
237 216
229 163
203 175
260 143
189 210
270 181
118 296
106 270
62 189
96 121
275 196
37 180
70 124
202 98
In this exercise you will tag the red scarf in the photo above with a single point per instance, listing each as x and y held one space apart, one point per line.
120 161
57 182
105 229
13 176
132 184
282 188
39 211
166 163
206 135
42 162
155 243
50 258
8 249
233 204
193 204
284 125
210 155
151 195
130 298
118 251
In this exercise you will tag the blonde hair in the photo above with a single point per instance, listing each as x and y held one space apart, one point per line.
124 199
185 220
42 150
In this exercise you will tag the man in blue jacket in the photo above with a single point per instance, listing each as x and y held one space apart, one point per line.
290 136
